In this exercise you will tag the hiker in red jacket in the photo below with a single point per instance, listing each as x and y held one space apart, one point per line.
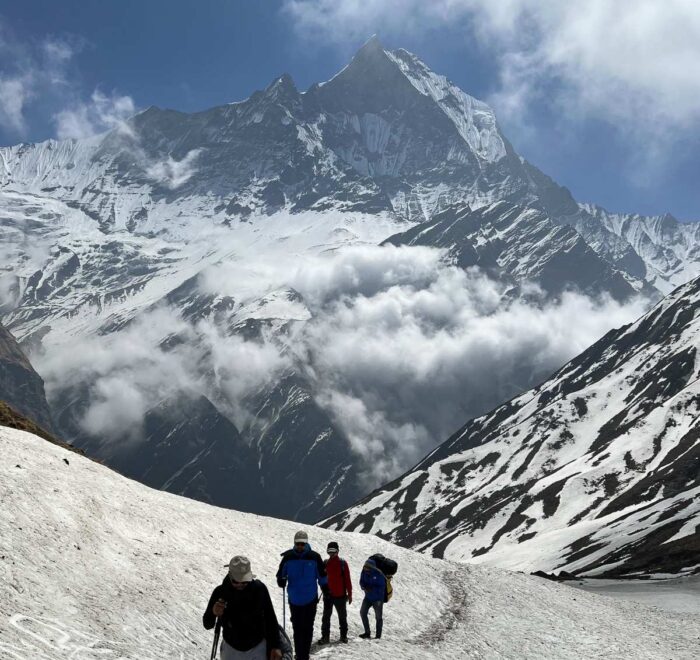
339 594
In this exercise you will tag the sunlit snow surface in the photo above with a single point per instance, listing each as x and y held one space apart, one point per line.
97 566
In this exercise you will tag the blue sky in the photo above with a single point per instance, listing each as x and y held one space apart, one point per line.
605 102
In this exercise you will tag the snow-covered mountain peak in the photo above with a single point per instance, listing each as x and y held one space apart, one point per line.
377 80
475 120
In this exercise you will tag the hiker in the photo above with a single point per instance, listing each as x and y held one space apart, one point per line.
373 583
248 620
339 594
301 569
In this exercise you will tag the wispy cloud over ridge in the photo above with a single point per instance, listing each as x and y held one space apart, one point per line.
633 62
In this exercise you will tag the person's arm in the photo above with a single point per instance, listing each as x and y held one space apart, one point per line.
381 581
363 581
272 629
208 619
322 575
282 573
348 581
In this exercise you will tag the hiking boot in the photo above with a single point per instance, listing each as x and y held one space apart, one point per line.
344 639
365 635
377 637
324 640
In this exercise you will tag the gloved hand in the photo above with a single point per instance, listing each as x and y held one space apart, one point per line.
281 582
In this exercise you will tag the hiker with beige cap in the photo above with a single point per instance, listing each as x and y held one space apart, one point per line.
247 619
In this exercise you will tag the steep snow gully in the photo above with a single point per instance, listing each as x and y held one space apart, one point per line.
94 565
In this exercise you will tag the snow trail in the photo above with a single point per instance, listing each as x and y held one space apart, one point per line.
95 566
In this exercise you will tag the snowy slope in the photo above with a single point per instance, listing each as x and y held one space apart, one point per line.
97 566
593 472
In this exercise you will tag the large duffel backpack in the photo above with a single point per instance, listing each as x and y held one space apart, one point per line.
385 565
388 568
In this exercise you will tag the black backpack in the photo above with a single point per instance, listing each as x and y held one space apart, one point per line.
385 565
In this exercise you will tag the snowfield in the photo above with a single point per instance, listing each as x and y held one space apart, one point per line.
94 565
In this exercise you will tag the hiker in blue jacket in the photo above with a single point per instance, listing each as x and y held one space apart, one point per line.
301 569
373 583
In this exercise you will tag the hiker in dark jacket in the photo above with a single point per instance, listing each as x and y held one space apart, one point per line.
339 594
301 569
373 583
248 621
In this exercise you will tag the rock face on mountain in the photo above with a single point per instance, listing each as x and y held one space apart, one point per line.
596 471
518 244
20 386
114 232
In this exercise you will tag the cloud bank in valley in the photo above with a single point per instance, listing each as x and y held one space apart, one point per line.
400 349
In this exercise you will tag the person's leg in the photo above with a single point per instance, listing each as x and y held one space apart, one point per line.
341 606
326 618
296 615
364 609
306 632
378 613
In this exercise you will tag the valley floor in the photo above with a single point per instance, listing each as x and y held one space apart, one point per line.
95 566
672 595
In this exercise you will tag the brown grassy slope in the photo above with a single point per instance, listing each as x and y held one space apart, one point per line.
10 417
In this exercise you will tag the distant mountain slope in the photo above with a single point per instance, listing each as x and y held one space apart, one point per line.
670 249
20 386
519 244
596 471
98 232
72 531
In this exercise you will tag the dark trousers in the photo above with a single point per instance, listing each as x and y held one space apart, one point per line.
340 605
303 624
378 607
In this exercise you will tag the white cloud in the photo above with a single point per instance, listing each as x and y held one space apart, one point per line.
30 72
14 93
173 173
401 350
41 72
628 61
101 113
402 357
127 373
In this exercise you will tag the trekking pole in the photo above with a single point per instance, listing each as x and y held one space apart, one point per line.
284 608
217 632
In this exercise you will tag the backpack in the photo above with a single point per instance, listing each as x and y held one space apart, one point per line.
388 589
385 565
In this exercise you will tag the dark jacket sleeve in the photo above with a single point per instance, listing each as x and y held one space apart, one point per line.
322 575
272 628
282 573
208 619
